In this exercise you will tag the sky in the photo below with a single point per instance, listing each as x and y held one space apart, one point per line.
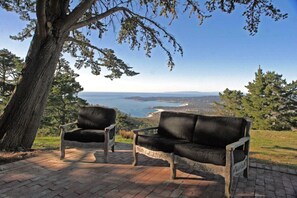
218 54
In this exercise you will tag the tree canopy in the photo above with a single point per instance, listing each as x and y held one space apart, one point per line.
136 22
10 68
230 103
270 102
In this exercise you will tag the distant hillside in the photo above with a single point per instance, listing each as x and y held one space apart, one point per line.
202 104
193 93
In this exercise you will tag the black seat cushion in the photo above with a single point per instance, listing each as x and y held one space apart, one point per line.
177 125
206 154
85 135
95 117
218 131
158 143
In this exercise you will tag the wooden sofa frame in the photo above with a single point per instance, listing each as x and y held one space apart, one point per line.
228 171
106 145
169 157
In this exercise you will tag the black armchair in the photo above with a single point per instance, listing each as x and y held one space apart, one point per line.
95 127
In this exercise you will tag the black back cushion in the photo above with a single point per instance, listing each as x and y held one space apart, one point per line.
218 131
177 125
95 117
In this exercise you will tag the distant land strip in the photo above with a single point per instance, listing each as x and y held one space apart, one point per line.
199 104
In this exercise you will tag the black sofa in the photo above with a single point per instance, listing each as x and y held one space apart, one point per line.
219 145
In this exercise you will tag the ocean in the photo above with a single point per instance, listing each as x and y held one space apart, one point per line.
132 107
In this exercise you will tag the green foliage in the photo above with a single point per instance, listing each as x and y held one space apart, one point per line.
124 121
290 110
271 102
265 101
10 67
231 103
127 123
63 102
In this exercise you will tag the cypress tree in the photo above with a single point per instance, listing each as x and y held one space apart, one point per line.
230 103
290 107
266 101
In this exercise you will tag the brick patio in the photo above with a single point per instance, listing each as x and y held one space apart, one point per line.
78 176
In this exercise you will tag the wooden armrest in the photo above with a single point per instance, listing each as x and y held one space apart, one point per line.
135 131
240 142
64 126
109 128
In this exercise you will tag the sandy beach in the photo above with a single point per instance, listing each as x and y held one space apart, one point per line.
160 110
157 111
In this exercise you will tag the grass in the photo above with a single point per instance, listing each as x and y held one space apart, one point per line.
266 146
48 142
275 147
123 140
53 142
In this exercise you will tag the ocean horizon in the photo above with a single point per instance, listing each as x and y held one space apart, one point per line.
136 108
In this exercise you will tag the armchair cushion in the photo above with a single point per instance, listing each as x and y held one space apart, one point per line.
95 117
206 154
177 125
158 143
218 131
85 135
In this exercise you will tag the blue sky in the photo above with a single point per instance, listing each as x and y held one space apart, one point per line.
218 54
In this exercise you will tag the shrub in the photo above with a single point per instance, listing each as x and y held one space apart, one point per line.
48 131
126 134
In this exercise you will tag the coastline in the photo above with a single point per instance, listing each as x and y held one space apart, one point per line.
155 112
150 105
159 110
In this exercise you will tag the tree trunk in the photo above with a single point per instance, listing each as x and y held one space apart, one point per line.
22 115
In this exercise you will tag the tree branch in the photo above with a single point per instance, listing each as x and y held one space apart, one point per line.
97 18
86 44
153 35
41 17
77 13
66 6
150 30
116 9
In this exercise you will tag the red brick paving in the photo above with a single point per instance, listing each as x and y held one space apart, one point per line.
78 176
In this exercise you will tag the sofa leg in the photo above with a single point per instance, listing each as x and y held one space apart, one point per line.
228 185
172 167
105 158
135 161
62 150
135 156
112 148
247 170
173 170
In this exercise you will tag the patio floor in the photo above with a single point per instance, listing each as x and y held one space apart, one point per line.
78 176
